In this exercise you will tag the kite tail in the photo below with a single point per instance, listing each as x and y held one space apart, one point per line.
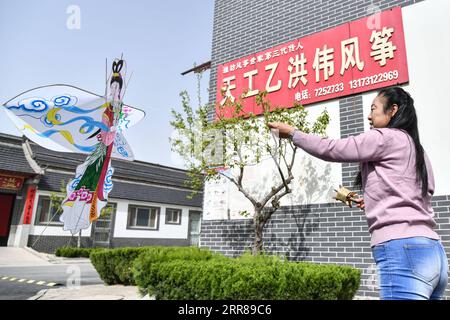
87 193
100 195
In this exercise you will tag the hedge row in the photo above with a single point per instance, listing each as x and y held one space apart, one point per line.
235 279
72 252
193 273
115 266
142 265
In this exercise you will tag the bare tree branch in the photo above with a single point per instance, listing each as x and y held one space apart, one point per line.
241 189
284 184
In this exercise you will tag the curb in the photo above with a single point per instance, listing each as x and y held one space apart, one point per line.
61 260
95 292
54 259
38 295
40 255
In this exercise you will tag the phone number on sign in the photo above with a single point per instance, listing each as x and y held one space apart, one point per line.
329 89
377 78
358 83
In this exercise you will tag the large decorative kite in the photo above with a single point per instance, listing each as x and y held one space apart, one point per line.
69 119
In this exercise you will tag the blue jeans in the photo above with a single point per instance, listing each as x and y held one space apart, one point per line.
411 269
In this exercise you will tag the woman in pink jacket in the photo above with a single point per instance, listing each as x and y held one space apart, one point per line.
398 184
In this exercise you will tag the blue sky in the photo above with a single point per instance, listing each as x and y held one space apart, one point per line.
159 40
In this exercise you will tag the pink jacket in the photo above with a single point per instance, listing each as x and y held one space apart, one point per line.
393 200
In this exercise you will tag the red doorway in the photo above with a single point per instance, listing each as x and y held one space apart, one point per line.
6 207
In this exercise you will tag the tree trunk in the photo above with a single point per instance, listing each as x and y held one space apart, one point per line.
259 226
79 240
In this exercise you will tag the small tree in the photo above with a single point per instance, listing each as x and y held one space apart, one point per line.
235 140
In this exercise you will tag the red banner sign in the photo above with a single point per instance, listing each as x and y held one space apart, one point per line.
29 204
12 183
355 57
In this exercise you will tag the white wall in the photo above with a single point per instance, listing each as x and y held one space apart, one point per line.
427 33
50 230
427 37
165 231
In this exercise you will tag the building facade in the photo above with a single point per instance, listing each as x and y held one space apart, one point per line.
310 226
149 203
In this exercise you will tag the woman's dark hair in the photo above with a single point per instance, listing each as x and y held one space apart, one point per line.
406 119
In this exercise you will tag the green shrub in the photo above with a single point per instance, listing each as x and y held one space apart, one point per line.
72 252
114 265
246 279
143 263
266 258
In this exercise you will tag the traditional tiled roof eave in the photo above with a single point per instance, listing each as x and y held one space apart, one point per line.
13 158
137 171
134 180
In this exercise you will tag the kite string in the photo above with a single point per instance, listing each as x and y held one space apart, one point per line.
48 223
126 86
51 220
78 221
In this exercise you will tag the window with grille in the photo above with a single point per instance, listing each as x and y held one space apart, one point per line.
46 212
140 217
173 216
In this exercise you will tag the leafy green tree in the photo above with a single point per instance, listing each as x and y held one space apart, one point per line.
234 140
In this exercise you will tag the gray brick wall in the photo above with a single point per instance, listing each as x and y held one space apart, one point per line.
352 123
320 233
141 242
49 244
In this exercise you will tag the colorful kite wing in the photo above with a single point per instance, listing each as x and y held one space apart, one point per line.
67 116
67 119
122 149
130 116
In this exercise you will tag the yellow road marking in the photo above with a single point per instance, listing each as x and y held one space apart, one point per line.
49 284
